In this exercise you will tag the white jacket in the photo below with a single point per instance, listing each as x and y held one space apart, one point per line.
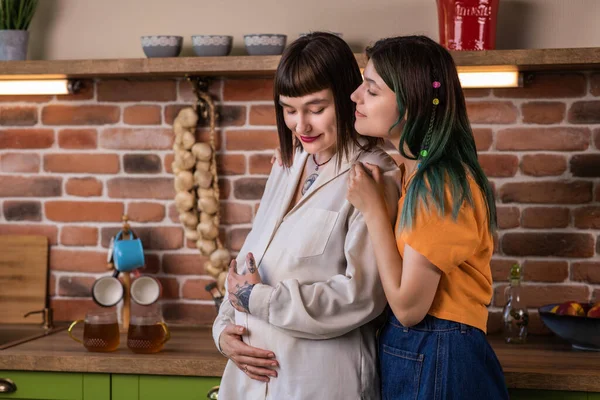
321 292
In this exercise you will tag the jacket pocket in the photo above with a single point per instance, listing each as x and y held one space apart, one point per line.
311 234
400 373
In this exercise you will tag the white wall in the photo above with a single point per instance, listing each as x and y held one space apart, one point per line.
79 29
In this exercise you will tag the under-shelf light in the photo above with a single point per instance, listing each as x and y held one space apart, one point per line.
39 86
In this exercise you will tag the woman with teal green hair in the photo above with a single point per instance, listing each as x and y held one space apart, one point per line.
435 264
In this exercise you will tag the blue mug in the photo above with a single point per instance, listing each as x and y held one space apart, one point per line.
128 254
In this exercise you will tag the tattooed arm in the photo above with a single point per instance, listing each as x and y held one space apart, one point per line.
241 285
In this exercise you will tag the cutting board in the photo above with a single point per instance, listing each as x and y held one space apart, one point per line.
23 277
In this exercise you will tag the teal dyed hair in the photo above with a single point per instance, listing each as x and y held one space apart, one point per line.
409 65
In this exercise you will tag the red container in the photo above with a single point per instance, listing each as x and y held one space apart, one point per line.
467 24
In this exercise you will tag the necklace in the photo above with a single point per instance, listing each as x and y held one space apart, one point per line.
313 177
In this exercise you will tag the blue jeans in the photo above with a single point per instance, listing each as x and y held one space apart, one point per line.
438 359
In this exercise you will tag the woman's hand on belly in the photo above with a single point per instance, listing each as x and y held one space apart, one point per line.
257 363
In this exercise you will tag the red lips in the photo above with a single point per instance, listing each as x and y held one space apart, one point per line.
309 139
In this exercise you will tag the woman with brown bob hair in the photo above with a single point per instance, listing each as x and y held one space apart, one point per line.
303 293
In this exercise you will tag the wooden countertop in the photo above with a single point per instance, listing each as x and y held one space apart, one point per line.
543 363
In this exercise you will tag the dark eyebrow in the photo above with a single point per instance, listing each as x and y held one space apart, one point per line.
308 103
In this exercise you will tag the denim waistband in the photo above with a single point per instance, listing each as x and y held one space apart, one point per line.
431 324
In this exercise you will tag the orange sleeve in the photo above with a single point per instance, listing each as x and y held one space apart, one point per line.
445 242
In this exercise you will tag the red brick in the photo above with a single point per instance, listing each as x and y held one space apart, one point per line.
80 115
545 217
22 210
572 192
596 296
85 92
78 138
494 323
499 165
203 135
84 187
76 260
501 269
587 217
82 163
137 139
252 140
141 188
541 112
72 309
75 286
235 213
476 92
138 90
22 186
543 164
25 98
224 188
585 165
539 295
483 138
231 164
536 326
585 112
79 211
189 313
548 85
26 138
249 188
260 164
226 115
546 271
492 112
183 264
173 213
169 158
50 231
142 163
595 84
186 92
170 288
146 212
555 139
262 115
248 89
16 162
194 289
152 265
142 115
577 245
508 217
237 237
18 115
52 285
78 236
153 238
597 138
586 272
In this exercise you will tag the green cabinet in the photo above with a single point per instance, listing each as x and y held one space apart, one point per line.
57 386
80 386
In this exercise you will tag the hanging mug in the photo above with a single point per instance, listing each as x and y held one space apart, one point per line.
128 254
108 290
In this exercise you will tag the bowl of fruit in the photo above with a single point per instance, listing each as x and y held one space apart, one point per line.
578 323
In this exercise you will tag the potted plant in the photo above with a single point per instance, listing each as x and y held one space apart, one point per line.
15 17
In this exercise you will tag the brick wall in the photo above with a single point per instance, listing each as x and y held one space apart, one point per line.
70 166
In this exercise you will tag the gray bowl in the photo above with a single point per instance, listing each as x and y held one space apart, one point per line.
162 45
582 332
264 44
212 45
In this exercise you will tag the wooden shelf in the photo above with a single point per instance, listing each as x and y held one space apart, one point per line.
238 66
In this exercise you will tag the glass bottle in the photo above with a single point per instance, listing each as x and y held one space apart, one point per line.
515 314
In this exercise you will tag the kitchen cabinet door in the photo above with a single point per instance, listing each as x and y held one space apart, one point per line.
158 387
57 386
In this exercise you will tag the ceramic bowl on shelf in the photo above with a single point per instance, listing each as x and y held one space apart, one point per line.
161 45
338 34
212 45
265 44
582 332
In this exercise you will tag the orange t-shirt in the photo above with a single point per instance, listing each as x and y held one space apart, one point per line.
461 249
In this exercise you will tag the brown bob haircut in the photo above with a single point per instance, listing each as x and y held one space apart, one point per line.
310 64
